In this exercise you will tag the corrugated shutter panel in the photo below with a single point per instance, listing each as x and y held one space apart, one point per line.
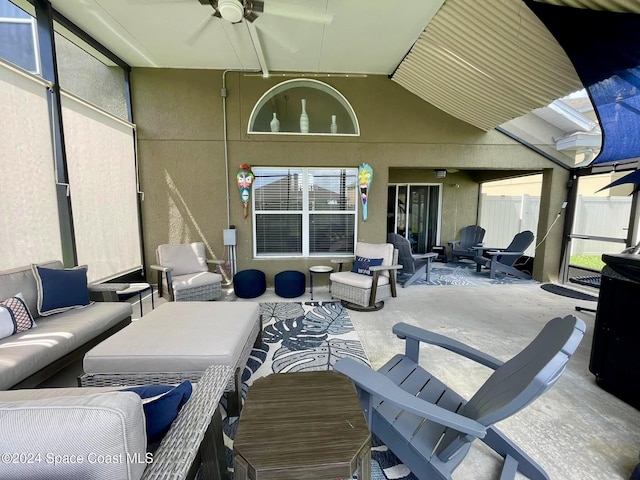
487 62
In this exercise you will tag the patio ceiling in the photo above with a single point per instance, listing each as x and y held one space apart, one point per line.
482 62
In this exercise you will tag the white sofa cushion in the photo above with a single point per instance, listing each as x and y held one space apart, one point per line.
24 353
184 258
178 337
100 436
357 280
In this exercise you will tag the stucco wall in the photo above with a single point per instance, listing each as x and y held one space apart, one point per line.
181 149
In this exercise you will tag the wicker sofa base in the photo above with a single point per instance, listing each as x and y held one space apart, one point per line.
202 293
358 298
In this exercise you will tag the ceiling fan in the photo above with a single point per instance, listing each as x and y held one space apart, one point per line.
234 11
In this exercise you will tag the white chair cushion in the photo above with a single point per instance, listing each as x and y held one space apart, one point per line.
93 436
357 280
377 250
185 258
195 280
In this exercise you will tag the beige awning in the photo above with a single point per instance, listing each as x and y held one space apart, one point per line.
487 62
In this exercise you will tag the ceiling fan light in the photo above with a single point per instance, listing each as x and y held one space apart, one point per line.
231 10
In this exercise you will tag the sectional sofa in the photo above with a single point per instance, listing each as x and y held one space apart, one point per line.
29 357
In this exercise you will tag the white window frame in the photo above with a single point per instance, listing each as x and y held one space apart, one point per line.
306 212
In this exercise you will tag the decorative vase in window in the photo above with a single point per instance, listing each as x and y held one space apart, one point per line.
304 118
334 125
275 123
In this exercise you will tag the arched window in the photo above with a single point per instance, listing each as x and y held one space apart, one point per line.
279 110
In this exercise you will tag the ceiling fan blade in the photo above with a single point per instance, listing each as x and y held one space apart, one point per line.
193 38
250 16
275 34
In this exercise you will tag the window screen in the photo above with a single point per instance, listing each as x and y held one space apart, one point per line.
102 175
29 227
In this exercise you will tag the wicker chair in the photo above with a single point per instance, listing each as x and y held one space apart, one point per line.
370 281
184 272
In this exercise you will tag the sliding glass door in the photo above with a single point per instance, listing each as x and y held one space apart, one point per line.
413 211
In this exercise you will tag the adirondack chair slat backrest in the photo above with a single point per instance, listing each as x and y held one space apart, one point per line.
523 378
471 236
519 243
405 257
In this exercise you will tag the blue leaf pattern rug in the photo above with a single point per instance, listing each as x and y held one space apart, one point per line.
298 337
464 274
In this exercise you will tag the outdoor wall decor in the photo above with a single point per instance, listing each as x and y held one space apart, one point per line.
365 177
244 179
275 123
334 125
304 118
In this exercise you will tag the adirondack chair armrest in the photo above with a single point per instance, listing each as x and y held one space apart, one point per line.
503 253
379 386
413 335
422 256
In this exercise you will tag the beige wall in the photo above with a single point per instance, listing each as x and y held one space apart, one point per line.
179 114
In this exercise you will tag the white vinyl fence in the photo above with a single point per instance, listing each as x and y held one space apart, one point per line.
600 217
504 216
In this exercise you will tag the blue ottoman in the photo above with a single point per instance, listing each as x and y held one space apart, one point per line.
249 283
290 284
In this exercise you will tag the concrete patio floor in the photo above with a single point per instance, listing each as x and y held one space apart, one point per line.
576 430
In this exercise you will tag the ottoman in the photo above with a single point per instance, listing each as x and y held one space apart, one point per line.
249 283
178 341
290 284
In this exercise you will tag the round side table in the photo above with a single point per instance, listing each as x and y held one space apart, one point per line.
315 270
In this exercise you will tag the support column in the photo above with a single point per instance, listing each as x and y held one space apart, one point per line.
548 254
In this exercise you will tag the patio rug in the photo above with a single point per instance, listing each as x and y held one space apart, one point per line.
301 337
464 274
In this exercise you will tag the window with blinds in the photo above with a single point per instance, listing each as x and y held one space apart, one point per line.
304 211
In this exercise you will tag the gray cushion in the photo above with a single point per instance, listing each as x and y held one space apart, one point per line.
184 258
25 353
177 337
92 436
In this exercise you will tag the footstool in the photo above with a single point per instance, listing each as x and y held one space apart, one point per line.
178 341
249 283
290 284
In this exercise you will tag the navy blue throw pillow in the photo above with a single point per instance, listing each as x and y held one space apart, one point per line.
59 290
161 404
361 265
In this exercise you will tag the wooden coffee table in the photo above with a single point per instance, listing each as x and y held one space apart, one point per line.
302 426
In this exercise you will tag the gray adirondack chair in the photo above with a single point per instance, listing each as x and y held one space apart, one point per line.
430 427
504 259
470 236
413 265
